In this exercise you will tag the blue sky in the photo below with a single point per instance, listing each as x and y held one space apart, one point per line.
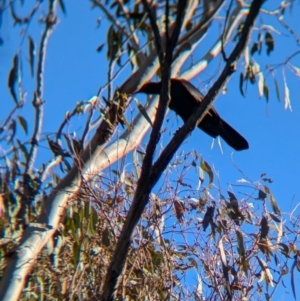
74 71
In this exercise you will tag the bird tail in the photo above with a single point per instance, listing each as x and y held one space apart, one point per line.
232 137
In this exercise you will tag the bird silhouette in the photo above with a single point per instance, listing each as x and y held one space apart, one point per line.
185 98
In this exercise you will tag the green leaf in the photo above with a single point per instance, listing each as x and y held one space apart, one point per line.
76 146
224 266
245 265
110 37
250 74
269 42
287 101
31 50
76 253
136 163
87 210
100 47
179 209
274 217
222 253
232 196
23 149
23 123
294 69
143 111
240 241
106 237
208 217
93 220
62 6
70 226
265 271
206 167
284 249
55 178
12 126
264 227
274 205
55 147
267 189
254 48
292 277
266 91
193 262
241 83
81 214
233 210
13 77
260 42
261 80
261 195
114 43
277 88
77 220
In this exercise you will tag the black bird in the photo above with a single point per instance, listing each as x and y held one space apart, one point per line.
184 100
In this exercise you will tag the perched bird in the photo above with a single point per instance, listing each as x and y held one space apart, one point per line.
184 100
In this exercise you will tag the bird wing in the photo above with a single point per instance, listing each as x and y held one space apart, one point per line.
195 93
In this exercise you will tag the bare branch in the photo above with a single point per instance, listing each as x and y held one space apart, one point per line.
37 102
155 30
139 203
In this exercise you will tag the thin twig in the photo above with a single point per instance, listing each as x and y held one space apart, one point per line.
225 25
288 28
37 98
157 37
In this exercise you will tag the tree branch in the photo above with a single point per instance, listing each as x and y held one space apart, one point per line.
118 260
145 184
